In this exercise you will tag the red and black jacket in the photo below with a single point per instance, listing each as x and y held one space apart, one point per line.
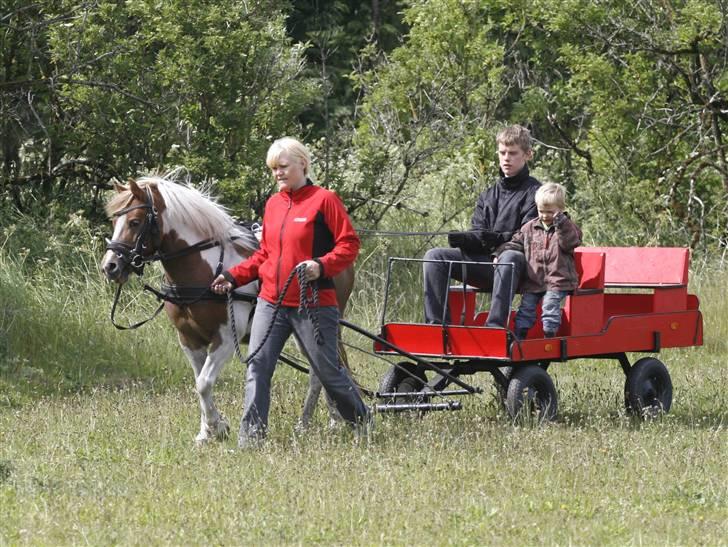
309 223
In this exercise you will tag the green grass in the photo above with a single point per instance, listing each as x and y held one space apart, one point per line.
97 429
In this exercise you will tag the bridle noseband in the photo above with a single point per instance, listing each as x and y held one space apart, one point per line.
134 256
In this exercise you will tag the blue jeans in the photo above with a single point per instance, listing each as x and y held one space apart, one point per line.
550 310
324 361
502 280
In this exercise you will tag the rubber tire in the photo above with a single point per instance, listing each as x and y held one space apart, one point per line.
648 389
395 380
531 383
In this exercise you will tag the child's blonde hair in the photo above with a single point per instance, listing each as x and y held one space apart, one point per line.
294 148
551 193
515 135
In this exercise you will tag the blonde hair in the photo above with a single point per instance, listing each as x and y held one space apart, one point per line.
515 135
551 193
295 150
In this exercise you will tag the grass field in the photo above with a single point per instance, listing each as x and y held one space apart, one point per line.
97 430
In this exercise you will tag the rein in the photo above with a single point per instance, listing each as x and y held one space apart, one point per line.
308 306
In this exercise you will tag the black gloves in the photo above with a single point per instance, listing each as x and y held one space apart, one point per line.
489 238
465 241
475 241
559 218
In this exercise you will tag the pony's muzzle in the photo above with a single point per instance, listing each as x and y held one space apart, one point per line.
112 269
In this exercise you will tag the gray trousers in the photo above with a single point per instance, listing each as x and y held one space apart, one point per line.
502 280
550 310
324 361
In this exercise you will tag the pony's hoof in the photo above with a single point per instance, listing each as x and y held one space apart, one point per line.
219 431
202 439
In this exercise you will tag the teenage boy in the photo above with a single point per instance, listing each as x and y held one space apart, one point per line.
548 242
500 211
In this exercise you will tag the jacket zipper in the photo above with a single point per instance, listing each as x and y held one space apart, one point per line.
280 245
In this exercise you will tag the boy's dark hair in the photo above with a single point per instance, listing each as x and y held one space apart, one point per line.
515 135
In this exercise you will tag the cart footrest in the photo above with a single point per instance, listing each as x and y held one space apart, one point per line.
405 407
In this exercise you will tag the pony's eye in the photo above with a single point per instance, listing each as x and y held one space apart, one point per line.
134 223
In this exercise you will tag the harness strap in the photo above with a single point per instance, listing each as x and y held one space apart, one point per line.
188 295
135 325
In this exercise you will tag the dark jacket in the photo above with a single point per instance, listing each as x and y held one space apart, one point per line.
500 211
549 254
310 222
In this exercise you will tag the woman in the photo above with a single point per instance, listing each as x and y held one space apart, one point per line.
306 225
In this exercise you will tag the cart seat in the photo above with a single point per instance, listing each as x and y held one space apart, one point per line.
623 281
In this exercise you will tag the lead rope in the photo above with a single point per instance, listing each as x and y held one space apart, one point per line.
303 307
309 307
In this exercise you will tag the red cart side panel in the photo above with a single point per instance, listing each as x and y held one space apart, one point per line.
454 341
641 333
461 304
584 310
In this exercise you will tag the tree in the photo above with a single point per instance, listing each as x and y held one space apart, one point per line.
133 86
627 101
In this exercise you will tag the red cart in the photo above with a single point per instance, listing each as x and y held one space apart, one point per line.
629 299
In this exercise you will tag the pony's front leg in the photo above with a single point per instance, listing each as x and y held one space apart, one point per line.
207 366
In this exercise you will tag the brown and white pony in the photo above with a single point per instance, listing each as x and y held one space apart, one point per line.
157 219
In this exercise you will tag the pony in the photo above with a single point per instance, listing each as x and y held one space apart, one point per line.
156 218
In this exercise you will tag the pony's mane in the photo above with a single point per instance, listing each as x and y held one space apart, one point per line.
184 205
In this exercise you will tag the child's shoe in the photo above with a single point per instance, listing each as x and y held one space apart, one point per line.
549 333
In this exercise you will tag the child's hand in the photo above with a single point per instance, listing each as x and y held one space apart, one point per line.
559 218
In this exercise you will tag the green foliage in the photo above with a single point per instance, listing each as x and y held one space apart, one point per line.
626 102
429 111
138 86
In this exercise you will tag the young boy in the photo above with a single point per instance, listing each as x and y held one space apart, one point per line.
499 212
548 242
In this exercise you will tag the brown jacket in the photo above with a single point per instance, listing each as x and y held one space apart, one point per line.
549 254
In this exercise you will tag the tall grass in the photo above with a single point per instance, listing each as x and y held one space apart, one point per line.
97 430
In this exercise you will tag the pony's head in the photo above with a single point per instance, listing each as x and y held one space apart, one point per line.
154 215
134 211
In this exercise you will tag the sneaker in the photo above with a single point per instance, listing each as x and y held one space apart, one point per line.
549 334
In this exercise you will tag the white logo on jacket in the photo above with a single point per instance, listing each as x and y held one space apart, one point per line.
300 219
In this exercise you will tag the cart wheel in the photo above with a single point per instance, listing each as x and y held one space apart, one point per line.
531 393
398 381
648 388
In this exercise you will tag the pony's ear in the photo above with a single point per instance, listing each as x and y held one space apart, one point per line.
136 190
118 186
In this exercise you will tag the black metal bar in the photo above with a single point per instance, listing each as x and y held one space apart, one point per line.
656 341
390 262
626 367
407 354
404 407
423 394
564 352
291 363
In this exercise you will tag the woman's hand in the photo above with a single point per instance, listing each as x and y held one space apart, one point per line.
220 285
313 269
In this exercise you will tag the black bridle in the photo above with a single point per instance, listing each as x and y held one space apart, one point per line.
135 256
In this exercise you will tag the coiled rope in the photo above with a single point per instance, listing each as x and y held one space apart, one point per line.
306 306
